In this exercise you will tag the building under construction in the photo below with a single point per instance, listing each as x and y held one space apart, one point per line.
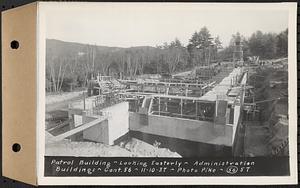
204 113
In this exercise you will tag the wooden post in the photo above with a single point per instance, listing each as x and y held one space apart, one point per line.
71 121
83 101
186 90
181 104
196 110
150 106
168 88
166 103
84 120
158 105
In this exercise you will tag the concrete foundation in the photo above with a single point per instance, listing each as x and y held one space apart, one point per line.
185 148
97 133
192 130
118 121
110 130
215 134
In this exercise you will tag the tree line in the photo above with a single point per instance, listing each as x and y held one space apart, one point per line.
265 45
71 66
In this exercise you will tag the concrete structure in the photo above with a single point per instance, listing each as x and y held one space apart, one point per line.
193 130
218 129
116 125
113 125
211 119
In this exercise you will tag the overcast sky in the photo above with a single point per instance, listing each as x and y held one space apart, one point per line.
126 25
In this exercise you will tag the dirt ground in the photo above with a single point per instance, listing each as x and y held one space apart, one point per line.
132 148
267 132
56 98
256 140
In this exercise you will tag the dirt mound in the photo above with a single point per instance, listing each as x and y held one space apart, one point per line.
133 148
143 149
84 149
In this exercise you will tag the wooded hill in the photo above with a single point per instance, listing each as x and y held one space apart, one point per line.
70 65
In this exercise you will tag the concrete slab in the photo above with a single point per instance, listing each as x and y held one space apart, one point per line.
221 89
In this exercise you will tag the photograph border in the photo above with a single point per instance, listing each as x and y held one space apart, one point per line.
292 68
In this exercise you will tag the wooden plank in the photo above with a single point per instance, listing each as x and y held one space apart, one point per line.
147 82
79 128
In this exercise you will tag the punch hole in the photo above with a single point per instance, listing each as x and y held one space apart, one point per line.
16 147
14 44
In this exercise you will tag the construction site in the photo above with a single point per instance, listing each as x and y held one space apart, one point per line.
237 108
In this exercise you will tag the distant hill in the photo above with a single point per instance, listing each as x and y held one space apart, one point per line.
61 48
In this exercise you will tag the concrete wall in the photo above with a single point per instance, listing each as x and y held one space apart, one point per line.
118 121
97 133
198 131
77 120
237 112
116 126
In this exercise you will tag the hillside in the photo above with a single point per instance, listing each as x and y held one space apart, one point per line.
60 48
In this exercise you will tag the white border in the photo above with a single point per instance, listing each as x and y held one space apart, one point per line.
45 7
